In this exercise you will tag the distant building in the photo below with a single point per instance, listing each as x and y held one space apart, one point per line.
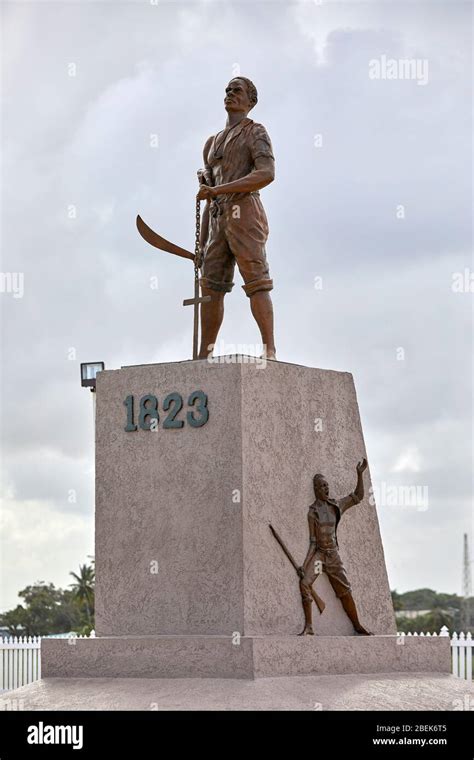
413 614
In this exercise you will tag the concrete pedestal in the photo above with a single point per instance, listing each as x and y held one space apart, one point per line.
185 560
182 538
249 657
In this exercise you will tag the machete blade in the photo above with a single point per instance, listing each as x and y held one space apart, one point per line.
157 241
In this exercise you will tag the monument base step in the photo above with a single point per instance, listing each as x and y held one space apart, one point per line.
253 657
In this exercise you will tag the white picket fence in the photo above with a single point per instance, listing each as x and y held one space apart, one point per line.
20 661
20 658
461 651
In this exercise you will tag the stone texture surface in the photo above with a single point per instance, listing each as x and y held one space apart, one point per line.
254 657
336 655
416 691
165 497
148 657
281 451
170 496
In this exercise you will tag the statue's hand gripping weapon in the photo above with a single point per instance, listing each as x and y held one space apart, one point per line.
319 602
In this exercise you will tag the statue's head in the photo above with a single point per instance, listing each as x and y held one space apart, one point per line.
321 487
240 95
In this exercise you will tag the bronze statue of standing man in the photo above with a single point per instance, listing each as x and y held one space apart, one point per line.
238 163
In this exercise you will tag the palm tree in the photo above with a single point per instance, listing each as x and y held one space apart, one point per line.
83 588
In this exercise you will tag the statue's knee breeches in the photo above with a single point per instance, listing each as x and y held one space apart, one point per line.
305 588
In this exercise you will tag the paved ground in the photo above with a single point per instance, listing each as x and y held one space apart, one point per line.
391 691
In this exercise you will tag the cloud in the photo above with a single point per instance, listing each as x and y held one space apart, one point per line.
80 163
39 543
408 461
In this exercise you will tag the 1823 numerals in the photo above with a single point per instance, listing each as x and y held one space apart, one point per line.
149 417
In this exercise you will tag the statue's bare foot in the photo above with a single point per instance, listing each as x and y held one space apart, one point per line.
307 631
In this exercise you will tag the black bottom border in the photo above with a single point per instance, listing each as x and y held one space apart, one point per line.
375 734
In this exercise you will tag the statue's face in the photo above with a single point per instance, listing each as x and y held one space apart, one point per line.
321 488
236 96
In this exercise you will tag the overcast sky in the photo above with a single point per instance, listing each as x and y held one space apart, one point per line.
372 194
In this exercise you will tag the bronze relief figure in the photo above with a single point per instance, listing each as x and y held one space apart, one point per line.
323 555
324 516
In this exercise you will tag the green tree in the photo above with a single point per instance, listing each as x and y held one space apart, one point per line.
49 610
432 622
83 591
419 599
444 607
43 612
396 601
14 621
